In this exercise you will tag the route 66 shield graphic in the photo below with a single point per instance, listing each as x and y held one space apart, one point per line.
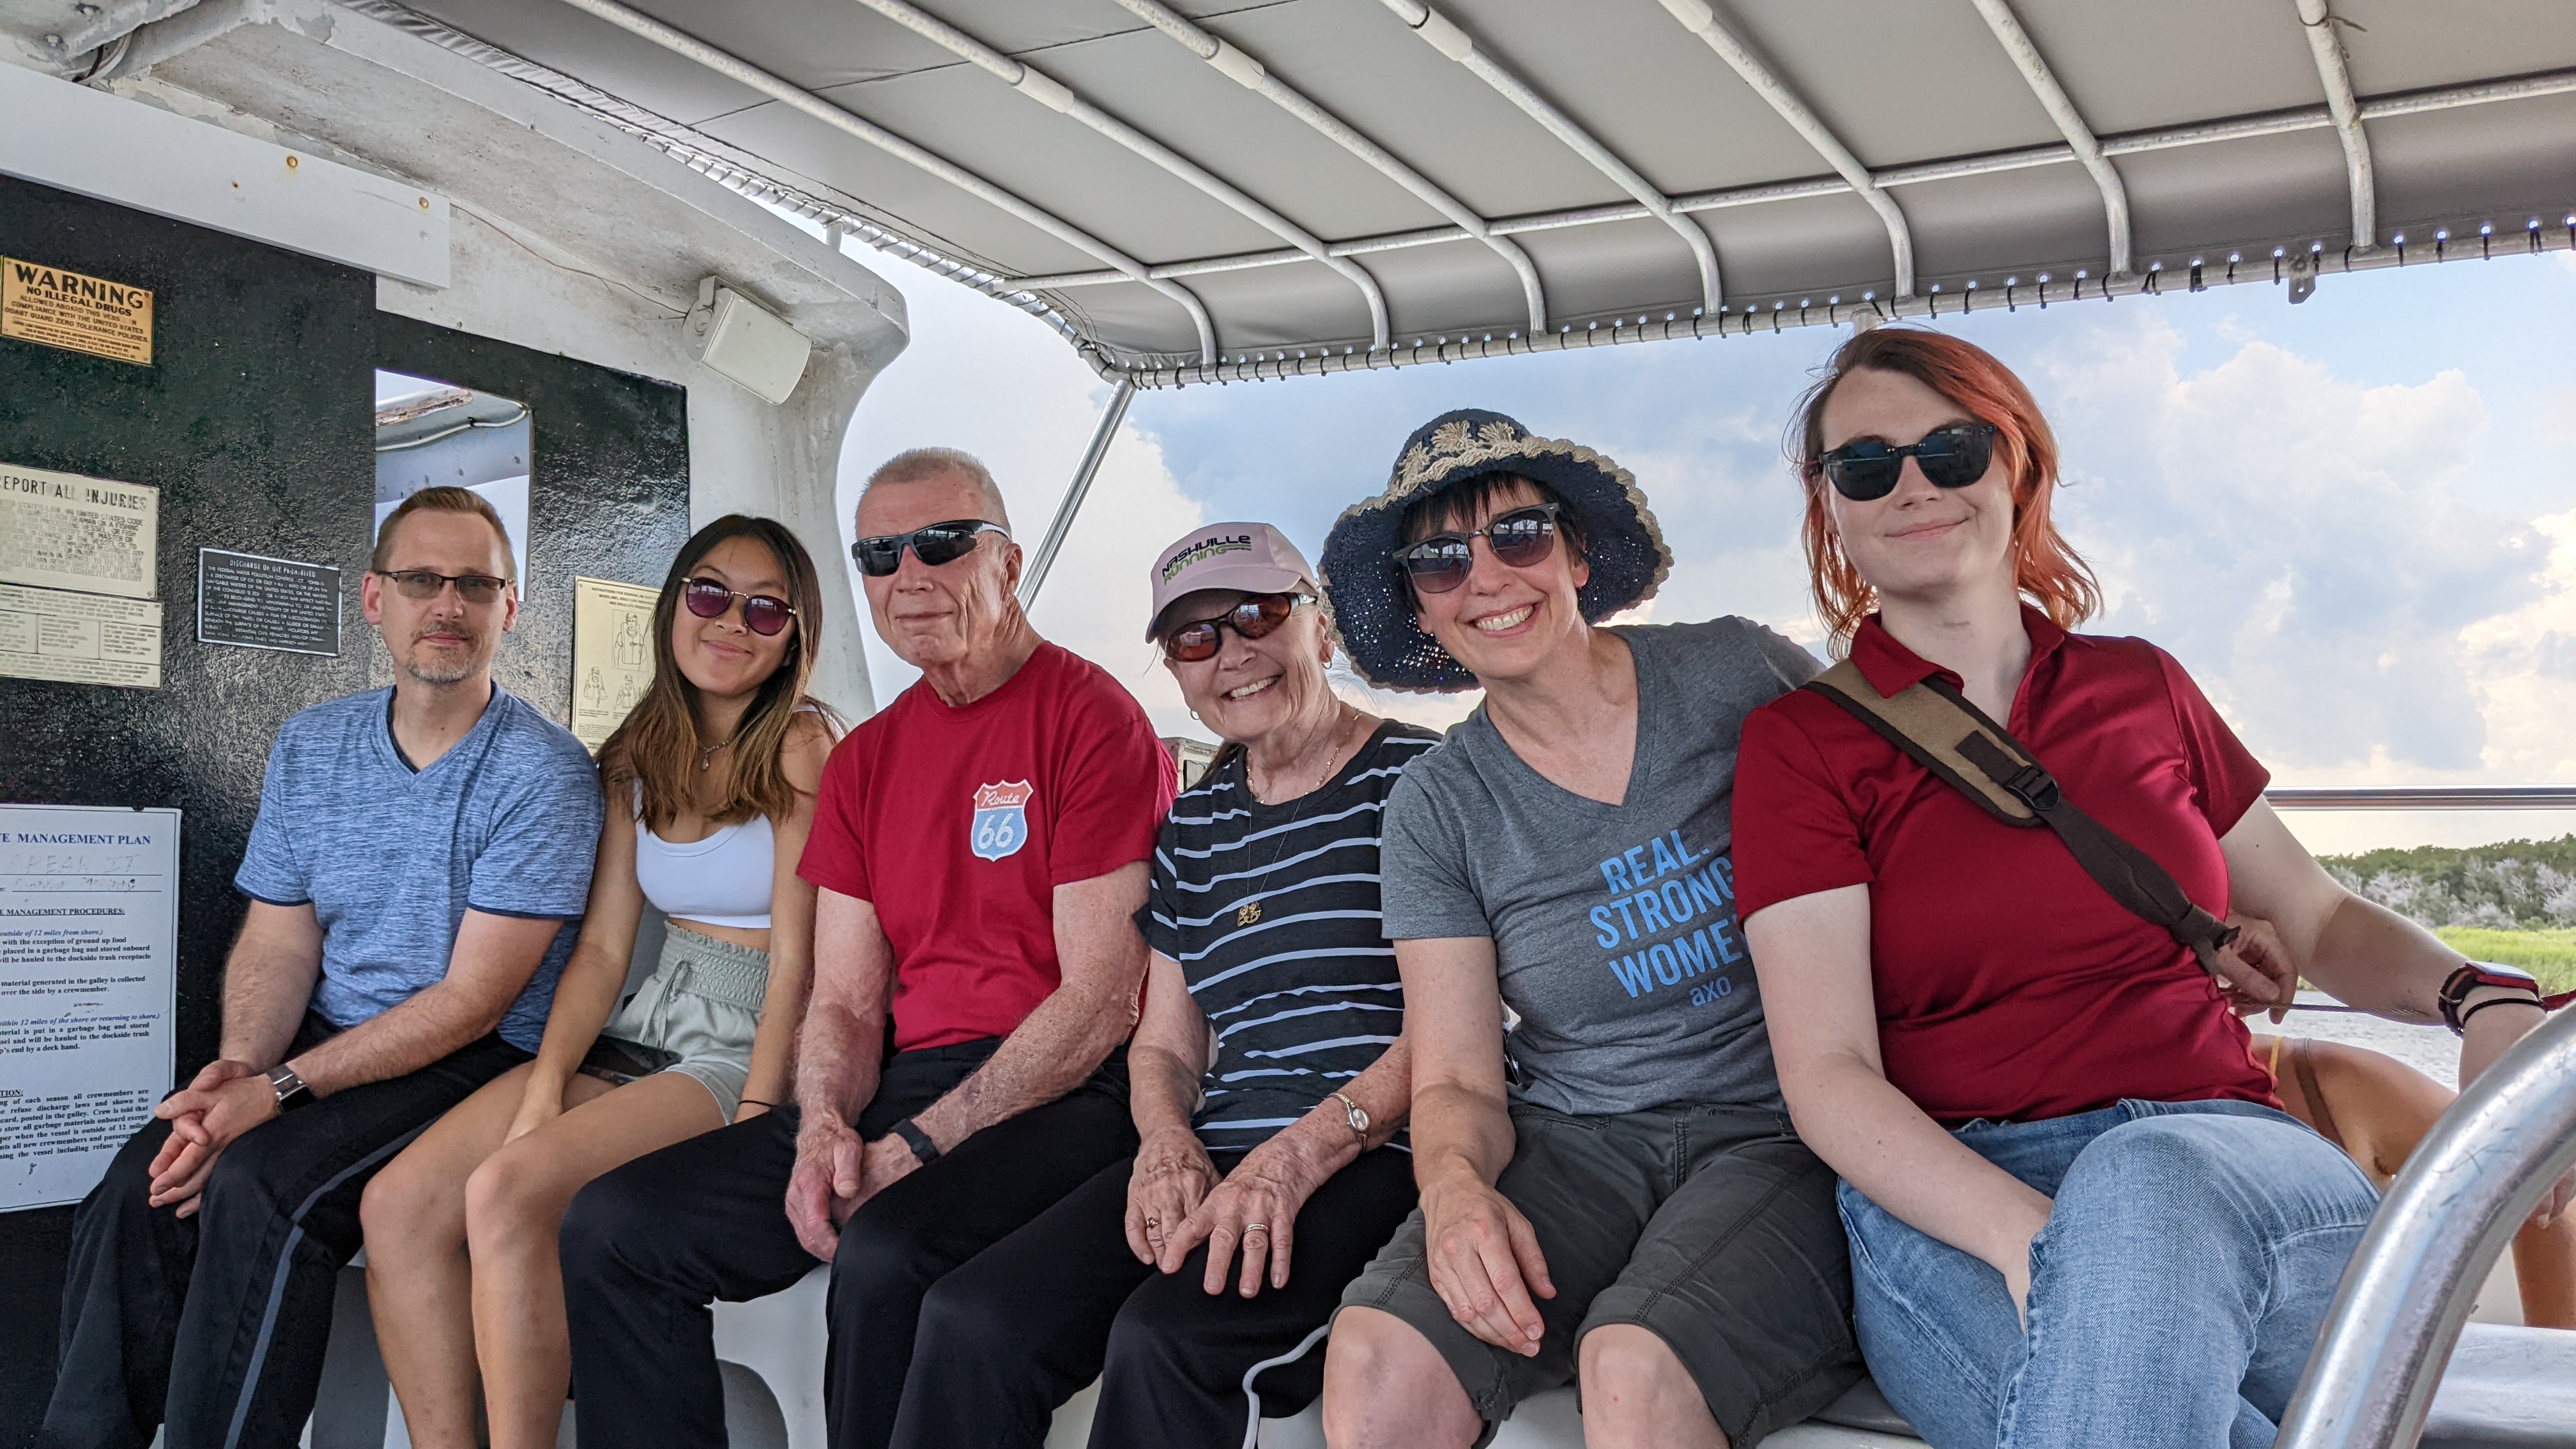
1001 823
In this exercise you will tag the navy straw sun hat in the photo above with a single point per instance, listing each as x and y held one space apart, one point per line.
1373 615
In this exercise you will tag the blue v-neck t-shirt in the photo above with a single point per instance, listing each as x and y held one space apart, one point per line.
391 858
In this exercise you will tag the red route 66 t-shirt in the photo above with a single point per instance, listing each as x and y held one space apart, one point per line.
958 825
2009 985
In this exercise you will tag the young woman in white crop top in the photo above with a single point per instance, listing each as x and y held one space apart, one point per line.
718 768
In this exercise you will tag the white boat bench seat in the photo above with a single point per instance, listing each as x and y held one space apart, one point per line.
2507 1387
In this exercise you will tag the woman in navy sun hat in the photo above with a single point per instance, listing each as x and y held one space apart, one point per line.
1610 1189
1372 603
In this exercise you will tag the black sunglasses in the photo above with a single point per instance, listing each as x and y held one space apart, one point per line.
477 589
935 545
762 614
1951 457
1519 538
1254 618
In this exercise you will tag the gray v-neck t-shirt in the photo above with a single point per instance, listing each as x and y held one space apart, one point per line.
1614 926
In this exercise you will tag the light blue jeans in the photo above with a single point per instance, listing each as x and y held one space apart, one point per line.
2174 1294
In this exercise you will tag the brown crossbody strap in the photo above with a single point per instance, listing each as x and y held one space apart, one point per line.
1940 730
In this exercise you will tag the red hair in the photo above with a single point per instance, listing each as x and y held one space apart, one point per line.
2046 569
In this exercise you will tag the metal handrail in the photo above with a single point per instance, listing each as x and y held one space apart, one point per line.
2409 1286
2428 797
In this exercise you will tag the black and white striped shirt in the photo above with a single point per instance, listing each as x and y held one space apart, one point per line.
1304 996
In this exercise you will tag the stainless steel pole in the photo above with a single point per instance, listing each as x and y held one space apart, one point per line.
2470 1183
1110 418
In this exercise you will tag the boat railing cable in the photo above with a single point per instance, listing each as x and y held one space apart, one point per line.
2409 1287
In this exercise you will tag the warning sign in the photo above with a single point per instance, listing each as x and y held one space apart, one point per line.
66 309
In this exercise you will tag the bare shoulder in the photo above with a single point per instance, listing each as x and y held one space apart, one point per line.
810 738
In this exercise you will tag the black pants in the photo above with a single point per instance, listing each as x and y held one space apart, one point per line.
648 1246
217 1322
1010 1336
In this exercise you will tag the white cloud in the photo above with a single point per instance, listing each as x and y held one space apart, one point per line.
2300 541
2524 662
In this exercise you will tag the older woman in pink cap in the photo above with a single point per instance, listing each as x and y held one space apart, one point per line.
1269 1072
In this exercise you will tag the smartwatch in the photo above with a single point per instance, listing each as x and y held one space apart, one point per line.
1354 1114
918 1140
289 1088
2478 977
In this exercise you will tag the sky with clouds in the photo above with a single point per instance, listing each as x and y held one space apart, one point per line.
2354 521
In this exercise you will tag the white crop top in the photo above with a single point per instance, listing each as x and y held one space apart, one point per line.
723 880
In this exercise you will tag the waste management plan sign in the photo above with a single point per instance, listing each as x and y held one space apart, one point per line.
89 922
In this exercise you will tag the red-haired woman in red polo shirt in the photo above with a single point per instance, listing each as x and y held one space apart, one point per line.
2060 1163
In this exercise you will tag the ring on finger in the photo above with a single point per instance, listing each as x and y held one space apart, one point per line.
1250 1228
1152 1223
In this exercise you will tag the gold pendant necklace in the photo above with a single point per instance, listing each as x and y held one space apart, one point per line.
1249 913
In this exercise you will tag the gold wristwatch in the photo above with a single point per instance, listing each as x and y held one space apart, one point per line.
1355 1114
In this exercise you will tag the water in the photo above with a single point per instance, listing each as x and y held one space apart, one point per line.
2428 1049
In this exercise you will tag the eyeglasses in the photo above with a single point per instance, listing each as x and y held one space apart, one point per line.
1255 618
937 544
762 614
1520 538
475 589
1951 457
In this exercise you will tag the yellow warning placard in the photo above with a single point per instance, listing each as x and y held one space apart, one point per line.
64 309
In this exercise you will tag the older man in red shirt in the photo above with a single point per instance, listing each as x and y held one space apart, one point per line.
979 849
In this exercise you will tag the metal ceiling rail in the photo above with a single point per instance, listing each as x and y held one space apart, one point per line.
1249 72
1080 488
1444 36
1055 95
2319 20
2025 55
1697 18
1475 343
744 73
2161 138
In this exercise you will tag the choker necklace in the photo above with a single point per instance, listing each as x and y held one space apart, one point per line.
1249 913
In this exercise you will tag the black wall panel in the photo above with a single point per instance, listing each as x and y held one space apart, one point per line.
255 420
609 490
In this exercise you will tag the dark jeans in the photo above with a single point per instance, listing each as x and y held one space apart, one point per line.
1010 1336
648 1246
217 1322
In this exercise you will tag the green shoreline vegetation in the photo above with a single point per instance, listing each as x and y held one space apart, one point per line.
2513 902
2549 955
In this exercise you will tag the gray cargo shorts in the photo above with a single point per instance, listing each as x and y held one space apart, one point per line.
1713 1228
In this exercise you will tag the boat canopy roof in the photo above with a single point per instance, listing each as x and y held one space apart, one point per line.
1204 190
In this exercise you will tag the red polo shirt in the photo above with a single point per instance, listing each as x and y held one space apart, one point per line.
2009 985
958 825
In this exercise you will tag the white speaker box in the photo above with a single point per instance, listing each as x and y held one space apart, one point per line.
737 337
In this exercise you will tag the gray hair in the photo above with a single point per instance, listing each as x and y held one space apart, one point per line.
920 465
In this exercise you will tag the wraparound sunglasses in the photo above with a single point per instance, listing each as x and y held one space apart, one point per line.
762 614
1951 457
1519 538
937 544
1254 618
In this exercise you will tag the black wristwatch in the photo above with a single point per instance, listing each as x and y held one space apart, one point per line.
289 1088
918 1140
2479 974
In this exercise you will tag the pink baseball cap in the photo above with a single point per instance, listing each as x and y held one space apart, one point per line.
1253 558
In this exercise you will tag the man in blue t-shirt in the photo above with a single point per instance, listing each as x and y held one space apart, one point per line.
416 878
